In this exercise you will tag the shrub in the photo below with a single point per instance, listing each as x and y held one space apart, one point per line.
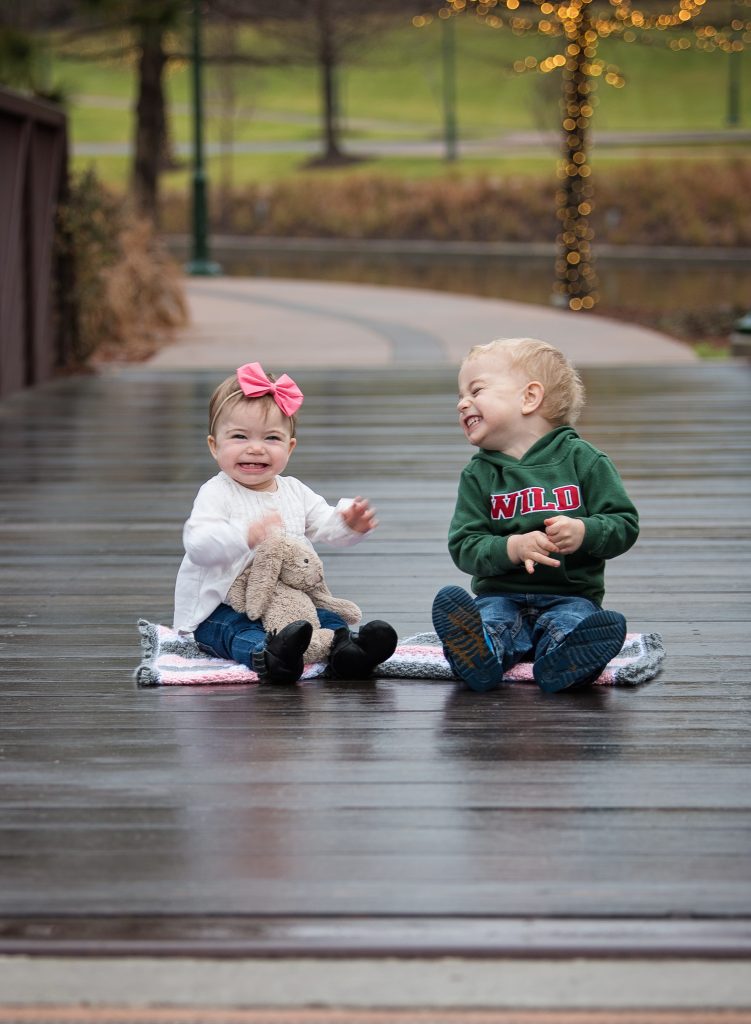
126 292
670 202
688 202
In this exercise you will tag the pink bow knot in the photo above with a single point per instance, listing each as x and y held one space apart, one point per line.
255 383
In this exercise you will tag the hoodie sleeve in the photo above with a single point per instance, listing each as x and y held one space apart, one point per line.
472 543
612 522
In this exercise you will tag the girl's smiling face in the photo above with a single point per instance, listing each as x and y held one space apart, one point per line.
252 443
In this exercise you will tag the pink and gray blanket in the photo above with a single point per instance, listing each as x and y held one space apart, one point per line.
170 659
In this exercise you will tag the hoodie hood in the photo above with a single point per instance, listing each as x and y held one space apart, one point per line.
551 448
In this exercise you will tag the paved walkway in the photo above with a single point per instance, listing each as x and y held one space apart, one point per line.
304 323
404 139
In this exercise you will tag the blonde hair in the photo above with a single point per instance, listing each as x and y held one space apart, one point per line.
564 391
228 395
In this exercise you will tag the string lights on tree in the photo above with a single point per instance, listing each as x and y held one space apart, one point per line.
576 26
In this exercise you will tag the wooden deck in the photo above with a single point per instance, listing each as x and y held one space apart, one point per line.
388 817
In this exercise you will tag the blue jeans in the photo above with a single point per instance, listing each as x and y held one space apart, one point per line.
230 634
524 627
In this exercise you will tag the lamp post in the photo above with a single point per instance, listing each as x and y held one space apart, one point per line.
200 264
734 89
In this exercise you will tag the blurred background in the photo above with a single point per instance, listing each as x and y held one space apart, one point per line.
593 154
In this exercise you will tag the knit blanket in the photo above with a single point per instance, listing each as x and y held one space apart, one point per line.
171 659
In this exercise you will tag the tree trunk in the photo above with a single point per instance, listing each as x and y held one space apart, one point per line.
576 281
150 122
328 63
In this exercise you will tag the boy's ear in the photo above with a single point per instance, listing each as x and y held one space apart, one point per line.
532 396
211 442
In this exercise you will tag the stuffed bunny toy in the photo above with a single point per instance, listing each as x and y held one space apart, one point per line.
285 583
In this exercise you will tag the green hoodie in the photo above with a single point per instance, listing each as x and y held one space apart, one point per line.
561 474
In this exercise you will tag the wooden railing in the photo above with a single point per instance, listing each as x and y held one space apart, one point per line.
33 175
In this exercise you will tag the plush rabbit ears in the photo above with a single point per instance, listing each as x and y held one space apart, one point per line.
264 572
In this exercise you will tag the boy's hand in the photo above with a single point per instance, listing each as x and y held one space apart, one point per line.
360 516
262 529
566 533
531 548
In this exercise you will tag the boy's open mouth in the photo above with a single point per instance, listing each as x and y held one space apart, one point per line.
472 421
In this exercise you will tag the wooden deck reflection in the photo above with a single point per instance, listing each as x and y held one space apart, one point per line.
389 816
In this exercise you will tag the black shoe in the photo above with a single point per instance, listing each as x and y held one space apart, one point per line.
355 657
582 655
281 659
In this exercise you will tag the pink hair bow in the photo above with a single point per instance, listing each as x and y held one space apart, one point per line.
255 383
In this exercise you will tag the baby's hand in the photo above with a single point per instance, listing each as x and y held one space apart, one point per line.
531 548
566 533
262 529
360 516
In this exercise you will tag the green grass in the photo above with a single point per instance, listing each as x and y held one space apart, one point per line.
92 78
688 89
708 350
99 124
114 171
271 167
395 91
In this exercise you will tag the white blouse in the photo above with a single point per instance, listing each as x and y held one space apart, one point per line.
216 537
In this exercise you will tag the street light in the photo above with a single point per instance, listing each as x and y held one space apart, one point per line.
200 264
734 89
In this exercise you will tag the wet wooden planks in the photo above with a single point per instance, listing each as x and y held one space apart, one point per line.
396 802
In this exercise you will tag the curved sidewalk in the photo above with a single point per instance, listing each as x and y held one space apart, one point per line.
309 323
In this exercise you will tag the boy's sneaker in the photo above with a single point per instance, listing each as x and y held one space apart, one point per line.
458 624
582 655
281 658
